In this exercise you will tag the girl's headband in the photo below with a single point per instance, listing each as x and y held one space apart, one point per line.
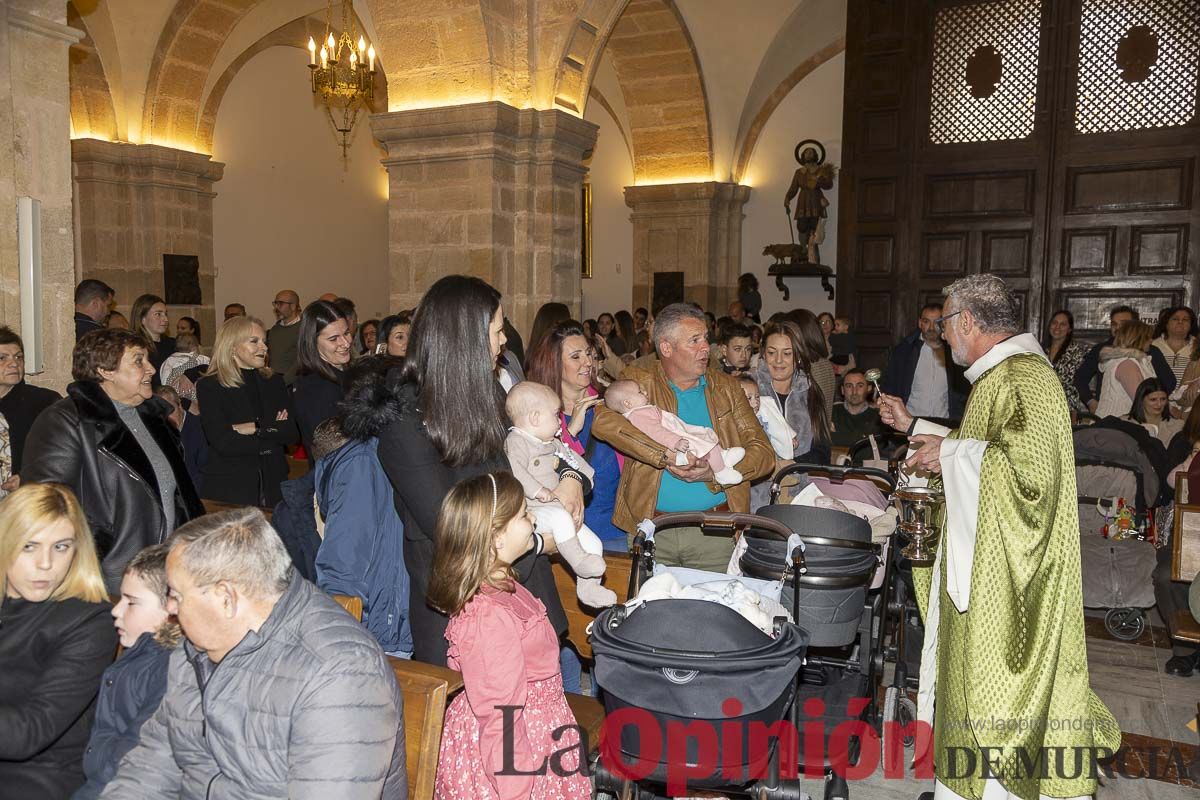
494 498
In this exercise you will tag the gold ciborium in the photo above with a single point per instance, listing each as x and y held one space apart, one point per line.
918 507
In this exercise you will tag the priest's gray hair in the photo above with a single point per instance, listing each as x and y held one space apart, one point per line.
669 318
237 546
989 300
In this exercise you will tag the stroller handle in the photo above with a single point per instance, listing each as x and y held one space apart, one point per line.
837 474
722 520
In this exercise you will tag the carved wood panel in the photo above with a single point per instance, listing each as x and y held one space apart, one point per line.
937 183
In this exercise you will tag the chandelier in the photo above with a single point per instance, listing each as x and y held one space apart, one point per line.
343 73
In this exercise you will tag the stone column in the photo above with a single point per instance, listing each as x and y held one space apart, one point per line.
35 161
693 228
488 190
137 202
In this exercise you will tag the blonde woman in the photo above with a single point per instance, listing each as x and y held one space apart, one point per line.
247 418
56 638
1123 367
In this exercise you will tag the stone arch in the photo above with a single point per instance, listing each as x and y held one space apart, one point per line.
659 73
187 48
292 34
759 121
443 56
93 113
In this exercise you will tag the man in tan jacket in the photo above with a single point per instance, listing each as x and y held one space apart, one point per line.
682 382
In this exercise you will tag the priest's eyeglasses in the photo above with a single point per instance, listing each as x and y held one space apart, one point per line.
941 321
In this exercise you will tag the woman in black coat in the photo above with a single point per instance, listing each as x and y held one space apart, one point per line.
246 416
56 638
111 443
451 426
322 353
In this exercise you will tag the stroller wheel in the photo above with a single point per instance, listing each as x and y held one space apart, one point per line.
1126 624
836 788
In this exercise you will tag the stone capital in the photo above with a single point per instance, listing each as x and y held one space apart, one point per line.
48 28
482 130
144 164
489 190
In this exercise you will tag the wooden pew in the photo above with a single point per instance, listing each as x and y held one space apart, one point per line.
616 578
426 690
1185 556
354 604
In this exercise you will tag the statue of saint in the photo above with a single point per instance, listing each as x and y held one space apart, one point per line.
810 179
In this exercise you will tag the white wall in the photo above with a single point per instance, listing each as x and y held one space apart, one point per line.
288 213
611 169
812 110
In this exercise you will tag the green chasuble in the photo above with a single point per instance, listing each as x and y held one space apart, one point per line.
1012 671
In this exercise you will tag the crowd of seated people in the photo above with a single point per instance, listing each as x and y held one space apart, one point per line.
370 461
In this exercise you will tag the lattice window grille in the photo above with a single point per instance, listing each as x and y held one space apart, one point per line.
1107 102
1013 28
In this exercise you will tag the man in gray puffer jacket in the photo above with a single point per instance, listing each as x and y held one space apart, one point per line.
277 692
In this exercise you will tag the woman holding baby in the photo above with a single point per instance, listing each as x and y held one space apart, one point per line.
449 424
564 360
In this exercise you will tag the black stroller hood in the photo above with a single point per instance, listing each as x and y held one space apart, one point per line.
686 657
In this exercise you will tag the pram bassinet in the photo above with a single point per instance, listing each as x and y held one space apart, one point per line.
682 661
840 561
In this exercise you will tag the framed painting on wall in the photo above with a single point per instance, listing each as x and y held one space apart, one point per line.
585 256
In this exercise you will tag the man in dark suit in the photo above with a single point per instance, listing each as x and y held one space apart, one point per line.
922 374
93 299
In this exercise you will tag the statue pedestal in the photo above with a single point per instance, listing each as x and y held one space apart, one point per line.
800 269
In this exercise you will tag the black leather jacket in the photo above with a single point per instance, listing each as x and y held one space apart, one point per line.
81 443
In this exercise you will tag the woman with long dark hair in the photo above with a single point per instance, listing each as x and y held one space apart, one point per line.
784 378
1152 409
1065 353
625 330
322 353
816 354
450 425
748 296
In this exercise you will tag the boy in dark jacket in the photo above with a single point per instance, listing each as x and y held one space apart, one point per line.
133 686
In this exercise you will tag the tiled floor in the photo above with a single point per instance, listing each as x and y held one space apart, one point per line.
1153 708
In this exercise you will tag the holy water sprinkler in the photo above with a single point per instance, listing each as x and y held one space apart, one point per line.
874 375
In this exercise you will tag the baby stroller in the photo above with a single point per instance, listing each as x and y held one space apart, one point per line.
857 619
1117 568
679 662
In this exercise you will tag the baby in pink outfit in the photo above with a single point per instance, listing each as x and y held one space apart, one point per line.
628 400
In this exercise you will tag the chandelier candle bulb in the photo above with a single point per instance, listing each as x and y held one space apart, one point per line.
371 56
312 52
324 58
353 60
362 45
332 48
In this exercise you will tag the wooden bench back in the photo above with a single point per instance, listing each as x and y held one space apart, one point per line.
426 690
616 578
352 604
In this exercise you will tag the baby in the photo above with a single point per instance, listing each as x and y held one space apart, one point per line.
783 438
628 399
538 459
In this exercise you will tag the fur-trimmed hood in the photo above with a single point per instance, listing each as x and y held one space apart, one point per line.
374 399
1111 354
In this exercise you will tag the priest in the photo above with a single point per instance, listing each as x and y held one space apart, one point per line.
1004 673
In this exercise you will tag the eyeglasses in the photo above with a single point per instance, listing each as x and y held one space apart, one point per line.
282 303
940 322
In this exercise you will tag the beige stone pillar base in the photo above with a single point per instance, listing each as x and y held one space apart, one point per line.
488 190
693 228
137 202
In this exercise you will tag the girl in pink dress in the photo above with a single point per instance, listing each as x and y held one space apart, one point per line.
500 639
